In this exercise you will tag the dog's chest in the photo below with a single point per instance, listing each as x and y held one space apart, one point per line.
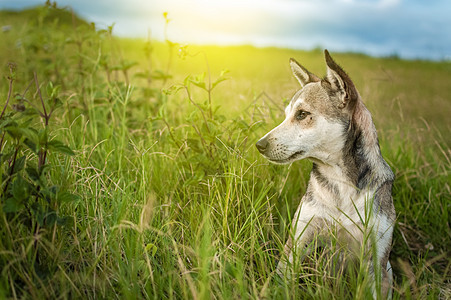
344 216
349 204
338 202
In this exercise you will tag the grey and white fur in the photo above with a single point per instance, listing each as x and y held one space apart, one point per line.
350 184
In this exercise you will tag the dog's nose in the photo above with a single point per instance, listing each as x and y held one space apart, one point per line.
262 145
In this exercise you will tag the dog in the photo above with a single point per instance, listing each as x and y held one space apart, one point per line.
350 186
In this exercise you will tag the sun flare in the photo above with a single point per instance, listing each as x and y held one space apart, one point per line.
217 22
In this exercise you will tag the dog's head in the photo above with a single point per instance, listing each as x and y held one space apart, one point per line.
317 117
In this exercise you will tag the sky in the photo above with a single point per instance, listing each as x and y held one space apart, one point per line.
410 29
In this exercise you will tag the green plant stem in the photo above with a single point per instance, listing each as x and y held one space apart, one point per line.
198 107
11 166
44 114
10 90
172 136
209 85
42 154
1 141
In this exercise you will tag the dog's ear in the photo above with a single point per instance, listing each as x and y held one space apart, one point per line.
301 73
340 82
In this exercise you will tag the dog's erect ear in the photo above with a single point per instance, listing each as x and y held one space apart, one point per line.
301 73
340 81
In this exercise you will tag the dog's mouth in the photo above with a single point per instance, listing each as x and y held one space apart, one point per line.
291 158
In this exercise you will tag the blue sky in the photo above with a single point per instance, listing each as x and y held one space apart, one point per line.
411 29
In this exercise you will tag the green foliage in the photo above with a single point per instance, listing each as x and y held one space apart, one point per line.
126 175
27 194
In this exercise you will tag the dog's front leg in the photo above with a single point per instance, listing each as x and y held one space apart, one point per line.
386 274
383 260
380 247
302 232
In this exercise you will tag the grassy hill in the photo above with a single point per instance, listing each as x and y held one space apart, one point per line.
124 175
63 17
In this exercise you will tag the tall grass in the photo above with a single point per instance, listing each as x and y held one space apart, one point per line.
174 201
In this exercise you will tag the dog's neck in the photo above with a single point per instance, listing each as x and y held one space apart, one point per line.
359 161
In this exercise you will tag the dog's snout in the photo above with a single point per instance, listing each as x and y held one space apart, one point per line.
262 145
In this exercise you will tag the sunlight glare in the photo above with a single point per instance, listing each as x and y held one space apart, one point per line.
215 21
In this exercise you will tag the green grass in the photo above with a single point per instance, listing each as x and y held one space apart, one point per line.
173 200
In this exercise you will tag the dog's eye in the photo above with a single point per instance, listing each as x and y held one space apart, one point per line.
301 115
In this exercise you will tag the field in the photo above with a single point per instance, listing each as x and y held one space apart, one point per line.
129 168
